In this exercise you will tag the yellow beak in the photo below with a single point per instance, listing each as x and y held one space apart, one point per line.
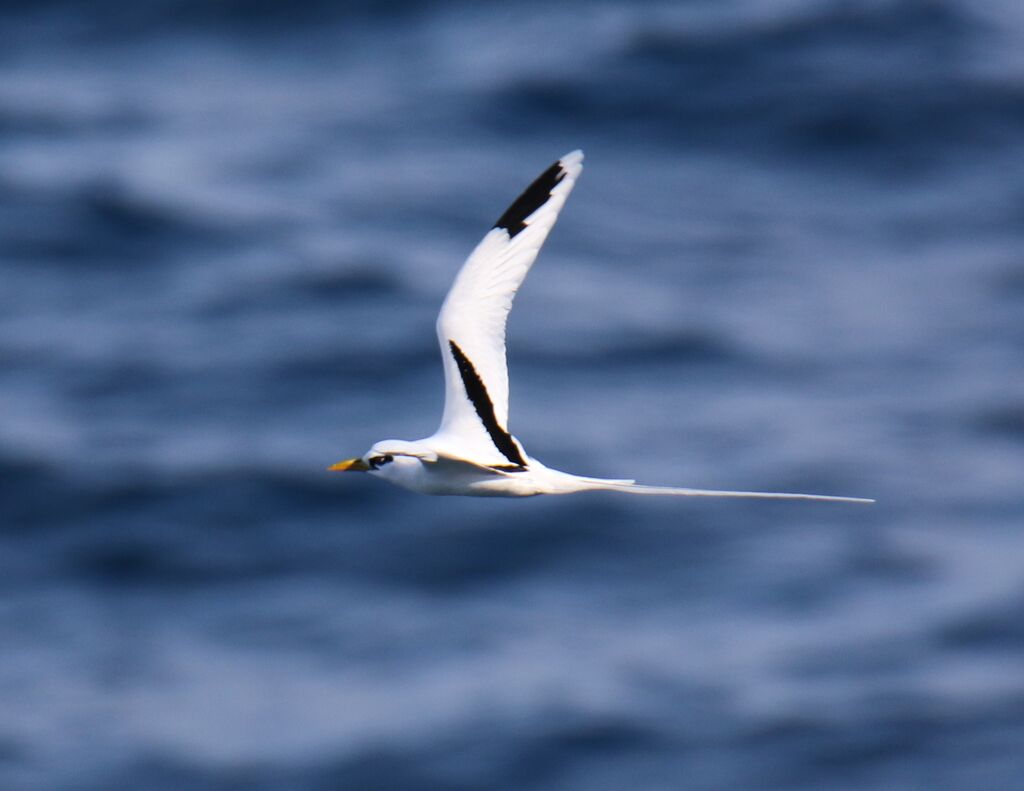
350 465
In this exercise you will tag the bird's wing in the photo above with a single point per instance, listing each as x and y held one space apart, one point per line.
471 326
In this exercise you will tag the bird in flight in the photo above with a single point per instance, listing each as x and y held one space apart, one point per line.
473 452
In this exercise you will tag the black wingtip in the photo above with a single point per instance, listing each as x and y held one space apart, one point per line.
533 197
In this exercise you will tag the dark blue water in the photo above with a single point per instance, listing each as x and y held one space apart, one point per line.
794 261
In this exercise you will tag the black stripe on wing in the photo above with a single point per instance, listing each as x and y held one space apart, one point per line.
484 407
535 196
508 467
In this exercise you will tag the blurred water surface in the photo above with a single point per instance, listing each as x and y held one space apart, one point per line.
793 262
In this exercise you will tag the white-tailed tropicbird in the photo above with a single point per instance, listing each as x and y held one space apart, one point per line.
472 452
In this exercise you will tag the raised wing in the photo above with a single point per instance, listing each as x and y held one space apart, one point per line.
471 326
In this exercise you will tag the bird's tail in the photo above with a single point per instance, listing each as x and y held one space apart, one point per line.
632 487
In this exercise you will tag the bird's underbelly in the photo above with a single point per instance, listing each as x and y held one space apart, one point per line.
470 483
496 486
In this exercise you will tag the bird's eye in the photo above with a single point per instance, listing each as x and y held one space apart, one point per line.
377 461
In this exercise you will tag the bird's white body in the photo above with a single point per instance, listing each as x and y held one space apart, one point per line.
454 477
472 452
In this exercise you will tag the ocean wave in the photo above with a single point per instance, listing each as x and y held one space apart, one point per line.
897 82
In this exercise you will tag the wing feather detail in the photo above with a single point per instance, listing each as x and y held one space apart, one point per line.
475 312
477 392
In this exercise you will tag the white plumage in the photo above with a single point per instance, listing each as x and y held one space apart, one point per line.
475 312
472 451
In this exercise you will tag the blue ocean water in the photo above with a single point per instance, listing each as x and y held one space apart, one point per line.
793 261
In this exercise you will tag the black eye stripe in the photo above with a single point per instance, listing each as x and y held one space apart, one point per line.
378 461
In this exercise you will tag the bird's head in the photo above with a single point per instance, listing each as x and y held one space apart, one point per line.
386 458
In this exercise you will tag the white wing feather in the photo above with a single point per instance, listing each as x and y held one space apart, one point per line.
475 312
